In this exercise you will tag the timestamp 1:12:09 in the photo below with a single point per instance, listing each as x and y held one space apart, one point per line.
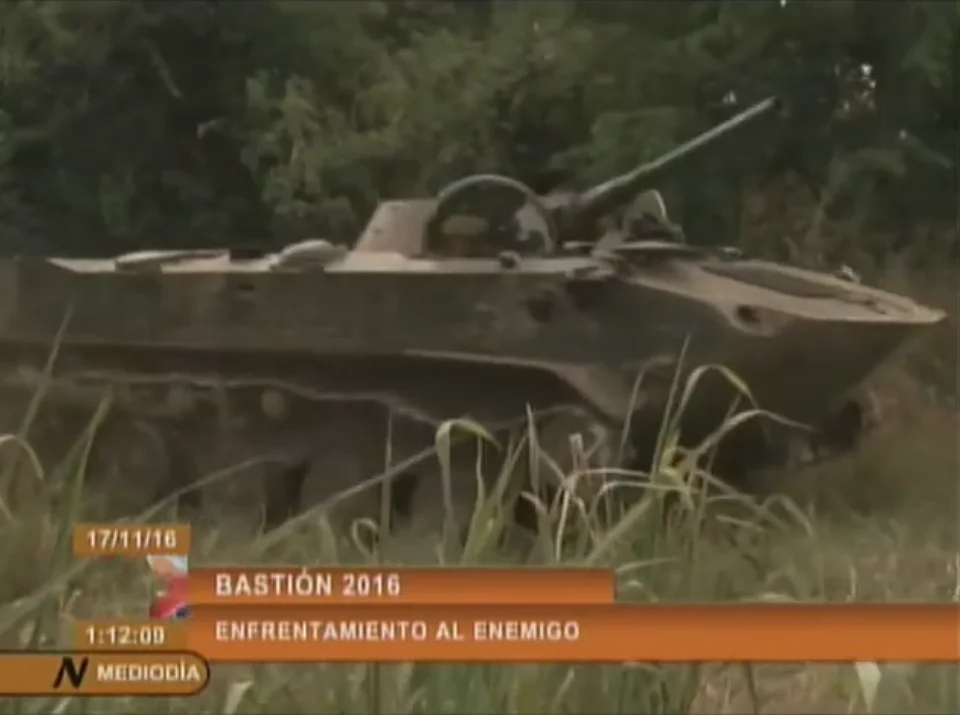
146 636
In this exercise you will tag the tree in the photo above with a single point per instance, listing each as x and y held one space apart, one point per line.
201 123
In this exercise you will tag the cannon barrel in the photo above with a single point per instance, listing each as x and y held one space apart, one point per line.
591 205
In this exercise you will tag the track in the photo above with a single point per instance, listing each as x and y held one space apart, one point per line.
315 428
310 443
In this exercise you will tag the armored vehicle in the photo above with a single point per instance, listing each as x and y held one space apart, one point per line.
486 302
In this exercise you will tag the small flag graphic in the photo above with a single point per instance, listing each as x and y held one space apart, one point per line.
170 603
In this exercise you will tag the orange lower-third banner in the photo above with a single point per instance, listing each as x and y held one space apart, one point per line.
598 633
86 673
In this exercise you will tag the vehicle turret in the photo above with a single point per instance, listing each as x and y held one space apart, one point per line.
577 214
487 213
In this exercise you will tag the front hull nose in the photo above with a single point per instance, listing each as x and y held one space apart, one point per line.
801 340
804 371
809 368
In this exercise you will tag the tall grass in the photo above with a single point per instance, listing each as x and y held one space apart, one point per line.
881 524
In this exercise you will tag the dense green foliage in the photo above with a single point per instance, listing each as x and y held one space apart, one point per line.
198 123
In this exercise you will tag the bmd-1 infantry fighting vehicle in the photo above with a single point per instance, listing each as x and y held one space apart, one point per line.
485 302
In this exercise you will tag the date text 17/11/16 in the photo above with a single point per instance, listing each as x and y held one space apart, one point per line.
144 538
